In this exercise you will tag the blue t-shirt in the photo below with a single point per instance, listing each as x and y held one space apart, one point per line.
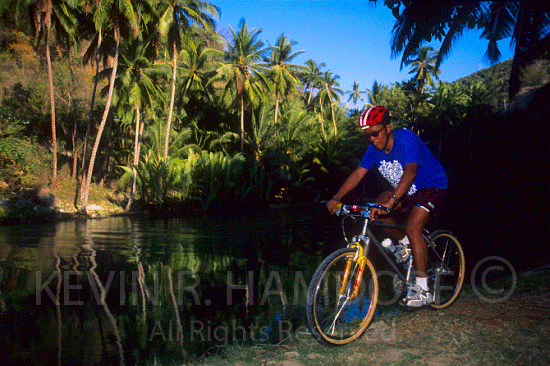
407 148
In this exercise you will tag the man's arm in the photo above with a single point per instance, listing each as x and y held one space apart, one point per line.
349 184
406 181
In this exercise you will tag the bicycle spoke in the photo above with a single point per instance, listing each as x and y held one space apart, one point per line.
332 328
446 268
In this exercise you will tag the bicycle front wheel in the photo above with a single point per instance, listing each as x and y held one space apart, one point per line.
338 312
447 268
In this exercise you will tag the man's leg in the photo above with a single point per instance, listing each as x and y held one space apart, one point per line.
419 294
417 219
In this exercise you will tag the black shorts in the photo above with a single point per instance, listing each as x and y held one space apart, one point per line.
430 199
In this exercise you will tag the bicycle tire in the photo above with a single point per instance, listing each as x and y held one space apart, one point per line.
447 268
333 322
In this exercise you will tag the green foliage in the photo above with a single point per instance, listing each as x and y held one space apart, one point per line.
327 163
20 160
215 180
221 181
157 177
159 180
495 79
396 99
4 214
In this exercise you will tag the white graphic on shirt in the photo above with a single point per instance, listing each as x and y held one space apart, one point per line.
393 171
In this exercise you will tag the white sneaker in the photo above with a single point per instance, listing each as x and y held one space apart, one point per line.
417 298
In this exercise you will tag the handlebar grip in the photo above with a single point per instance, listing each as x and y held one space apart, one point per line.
356 208
375 205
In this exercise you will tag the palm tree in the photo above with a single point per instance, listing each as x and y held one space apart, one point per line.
48 15
241 69
447 111
355 93
312 72
374 93
135 85
176 18
330 91
477 93
298 132
72 40
93 52
196 69
282 73
121 16
424 67
526 22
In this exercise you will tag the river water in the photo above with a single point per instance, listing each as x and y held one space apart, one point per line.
128 290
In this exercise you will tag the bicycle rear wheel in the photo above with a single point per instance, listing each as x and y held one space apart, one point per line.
336 314
446 268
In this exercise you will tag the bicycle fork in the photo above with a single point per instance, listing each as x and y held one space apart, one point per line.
346 293
360 260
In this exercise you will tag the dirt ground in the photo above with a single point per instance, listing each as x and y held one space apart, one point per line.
475 330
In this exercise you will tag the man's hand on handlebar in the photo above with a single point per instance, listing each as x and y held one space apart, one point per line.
375 212
332 205
385 200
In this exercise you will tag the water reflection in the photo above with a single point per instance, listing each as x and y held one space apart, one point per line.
133 291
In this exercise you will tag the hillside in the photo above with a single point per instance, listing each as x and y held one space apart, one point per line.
495 79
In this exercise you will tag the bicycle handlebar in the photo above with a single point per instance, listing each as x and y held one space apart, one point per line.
364 210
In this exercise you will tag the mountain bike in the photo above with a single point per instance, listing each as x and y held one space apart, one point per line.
344 290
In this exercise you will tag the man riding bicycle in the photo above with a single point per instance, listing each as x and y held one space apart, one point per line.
419 183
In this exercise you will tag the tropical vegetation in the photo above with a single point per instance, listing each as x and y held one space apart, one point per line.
184 118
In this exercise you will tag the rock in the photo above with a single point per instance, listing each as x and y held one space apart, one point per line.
45 199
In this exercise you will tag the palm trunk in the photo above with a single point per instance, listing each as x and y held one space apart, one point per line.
75 119
242 122
58 305
52 108
90 116
276 108
93 276
320 118
137 145
172 97
179 336
106 152
333 116
310 93
86 185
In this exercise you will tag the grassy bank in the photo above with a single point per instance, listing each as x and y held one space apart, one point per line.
472 331
39 202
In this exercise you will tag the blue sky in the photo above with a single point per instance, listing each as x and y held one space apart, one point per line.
352 37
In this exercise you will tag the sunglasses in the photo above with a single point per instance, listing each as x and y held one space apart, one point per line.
375 133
